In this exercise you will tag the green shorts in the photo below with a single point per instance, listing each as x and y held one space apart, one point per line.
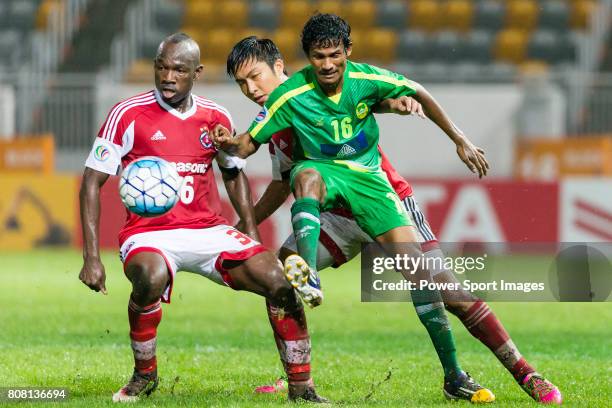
369 196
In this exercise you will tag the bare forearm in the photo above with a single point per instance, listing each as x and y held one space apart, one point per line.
434 111
89 198
274 196
239 194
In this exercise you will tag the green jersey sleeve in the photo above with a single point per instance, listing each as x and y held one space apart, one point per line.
274 116
388 83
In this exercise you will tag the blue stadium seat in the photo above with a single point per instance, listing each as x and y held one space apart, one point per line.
489 15
392 14
445 46
413 46
169 17
264 14
22 14
554 14
543 45
476 47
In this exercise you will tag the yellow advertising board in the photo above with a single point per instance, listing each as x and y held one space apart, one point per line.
546 159
27 154
37 210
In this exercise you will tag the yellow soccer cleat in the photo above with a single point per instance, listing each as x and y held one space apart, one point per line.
304 280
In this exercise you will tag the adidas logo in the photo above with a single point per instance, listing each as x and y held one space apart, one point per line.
158 136
346 151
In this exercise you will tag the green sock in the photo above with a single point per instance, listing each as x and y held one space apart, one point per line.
306 227
434 318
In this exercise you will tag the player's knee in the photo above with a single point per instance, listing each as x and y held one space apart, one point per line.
148 281
279 290
308 183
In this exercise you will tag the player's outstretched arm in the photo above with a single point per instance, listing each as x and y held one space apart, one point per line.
92 273
471 155
404 105
239 193
242 146
274 196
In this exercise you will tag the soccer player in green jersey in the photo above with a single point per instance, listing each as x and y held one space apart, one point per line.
258 68
329 107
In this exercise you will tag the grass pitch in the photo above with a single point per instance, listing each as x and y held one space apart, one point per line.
215 345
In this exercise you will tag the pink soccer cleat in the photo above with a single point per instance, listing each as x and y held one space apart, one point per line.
279 386
541 390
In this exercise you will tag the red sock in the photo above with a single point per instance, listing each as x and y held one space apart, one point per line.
292 341
482 324
143 332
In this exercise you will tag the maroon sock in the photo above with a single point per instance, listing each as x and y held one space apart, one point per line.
292 341
482 324
143 332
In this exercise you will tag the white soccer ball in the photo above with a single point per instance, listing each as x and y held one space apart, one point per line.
149 186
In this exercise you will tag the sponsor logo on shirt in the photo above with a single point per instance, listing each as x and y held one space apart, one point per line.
361 110
262 114
205 138
319 122
101 153
183 167
158 136
346 151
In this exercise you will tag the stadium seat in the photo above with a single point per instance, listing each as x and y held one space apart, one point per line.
360 13
149 44
294 13
445 47
359 49
521 14
511 46
44 11
232 13
424 15
216 44
22 14
475 47
554 14
581 13
380 45
392 14
329 6
458 15
543 46
264 14
168 17
413 47
141 70
489 15
288 42
200 15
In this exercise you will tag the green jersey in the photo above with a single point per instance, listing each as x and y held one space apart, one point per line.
342 131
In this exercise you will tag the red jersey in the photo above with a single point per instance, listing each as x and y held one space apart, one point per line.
145 125
281 146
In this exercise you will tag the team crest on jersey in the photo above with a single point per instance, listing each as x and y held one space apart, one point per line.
101 153
361 110
263 113
205 139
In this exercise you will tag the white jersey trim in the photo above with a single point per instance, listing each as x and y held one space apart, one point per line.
171 110
110 128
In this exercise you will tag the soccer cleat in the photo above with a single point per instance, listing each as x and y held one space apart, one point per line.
279 386
305 392
464 387
139 384
541 390
304 280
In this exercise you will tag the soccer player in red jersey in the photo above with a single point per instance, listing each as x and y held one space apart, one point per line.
172 123
258 68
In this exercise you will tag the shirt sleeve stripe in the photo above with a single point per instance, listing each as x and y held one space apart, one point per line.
278 103
383 78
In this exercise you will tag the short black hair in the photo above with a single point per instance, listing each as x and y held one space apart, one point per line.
252 48
325 30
